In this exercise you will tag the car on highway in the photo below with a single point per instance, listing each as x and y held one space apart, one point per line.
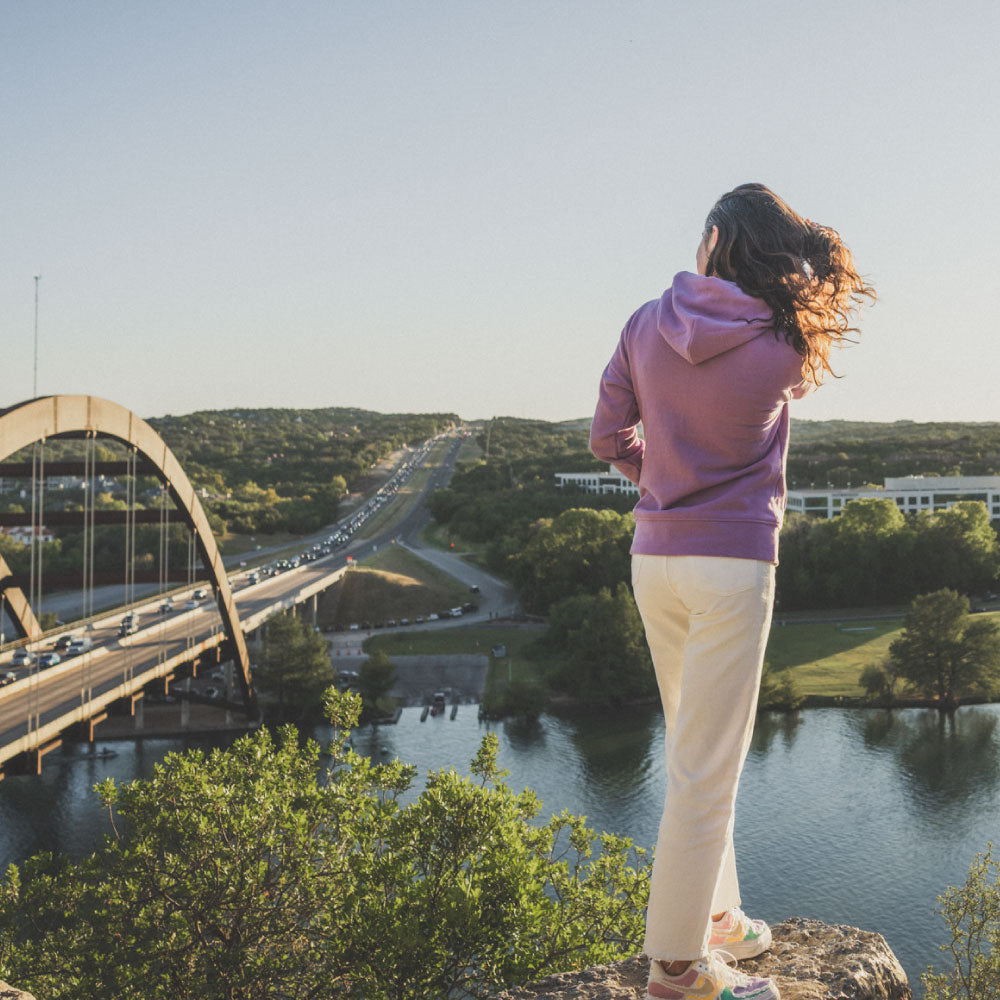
191 605
49 659
23 658
166 606
78 646
7 678
64 642
200 594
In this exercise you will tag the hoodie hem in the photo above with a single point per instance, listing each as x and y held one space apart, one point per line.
736 539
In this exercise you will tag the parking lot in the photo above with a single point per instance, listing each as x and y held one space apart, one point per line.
462 677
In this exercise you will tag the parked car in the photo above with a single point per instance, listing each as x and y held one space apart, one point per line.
433 617
49 659
82 645
23 658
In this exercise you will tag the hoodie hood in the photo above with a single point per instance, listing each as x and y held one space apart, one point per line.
701 317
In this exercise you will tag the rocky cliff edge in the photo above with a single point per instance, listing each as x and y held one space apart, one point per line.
808 959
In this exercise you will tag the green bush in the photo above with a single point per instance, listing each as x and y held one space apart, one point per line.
972 913
257 873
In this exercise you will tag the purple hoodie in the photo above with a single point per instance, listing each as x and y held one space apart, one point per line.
703 371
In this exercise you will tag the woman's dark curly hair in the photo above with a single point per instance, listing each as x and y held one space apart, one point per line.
801 270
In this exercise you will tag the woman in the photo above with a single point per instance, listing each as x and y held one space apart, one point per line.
708 370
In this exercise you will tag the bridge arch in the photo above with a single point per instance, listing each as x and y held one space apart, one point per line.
74 416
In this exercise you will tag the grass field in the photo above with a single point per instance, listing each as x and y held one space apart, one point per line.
393 583
827 659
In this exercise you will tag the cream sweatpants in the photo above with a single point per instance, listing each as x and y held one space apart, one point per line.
706 621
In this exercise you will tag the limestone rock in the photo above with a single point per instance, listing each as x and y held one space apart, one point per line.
809 960
8 992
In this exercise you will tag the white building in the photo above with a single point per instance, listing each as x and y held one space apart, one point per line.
911 494
611 481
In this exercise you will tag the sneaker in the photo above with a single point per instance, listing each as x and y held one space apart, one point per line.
740 936
708 979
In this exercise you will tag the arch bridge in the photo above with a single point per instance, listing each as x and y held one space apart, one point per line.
36 710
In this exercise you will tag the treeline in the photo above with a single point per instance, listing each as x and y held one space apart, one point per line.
838 452
286 470
872 554
843 452
261 471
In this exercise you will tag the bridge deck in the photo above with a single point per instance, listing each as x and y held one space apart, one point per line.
36 709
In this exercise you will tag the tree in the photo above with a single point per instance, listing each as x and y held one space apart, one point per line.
257 873
972 913
943 652
294 671
580 551
779 691
957 548
376 677
879 680
599 648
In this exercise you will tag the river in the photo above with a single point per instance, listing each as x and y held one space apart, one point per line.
850 816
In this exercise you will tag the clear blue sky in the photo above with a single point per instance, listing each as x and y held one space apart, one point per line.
456 206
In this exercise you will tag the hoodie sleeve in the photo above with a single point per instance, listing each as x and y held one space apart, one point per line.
614 435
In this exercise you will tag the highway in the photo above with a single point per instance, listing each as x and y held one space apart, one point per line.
79 687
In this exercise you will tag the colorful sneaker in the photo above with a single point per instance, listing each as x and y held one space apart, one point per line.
708 979
737 934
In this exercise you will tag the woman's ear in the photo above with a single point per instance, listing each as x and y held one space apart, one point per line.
713 240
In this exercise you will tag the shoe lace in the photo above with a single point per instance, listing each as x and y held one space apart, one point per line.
722 966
